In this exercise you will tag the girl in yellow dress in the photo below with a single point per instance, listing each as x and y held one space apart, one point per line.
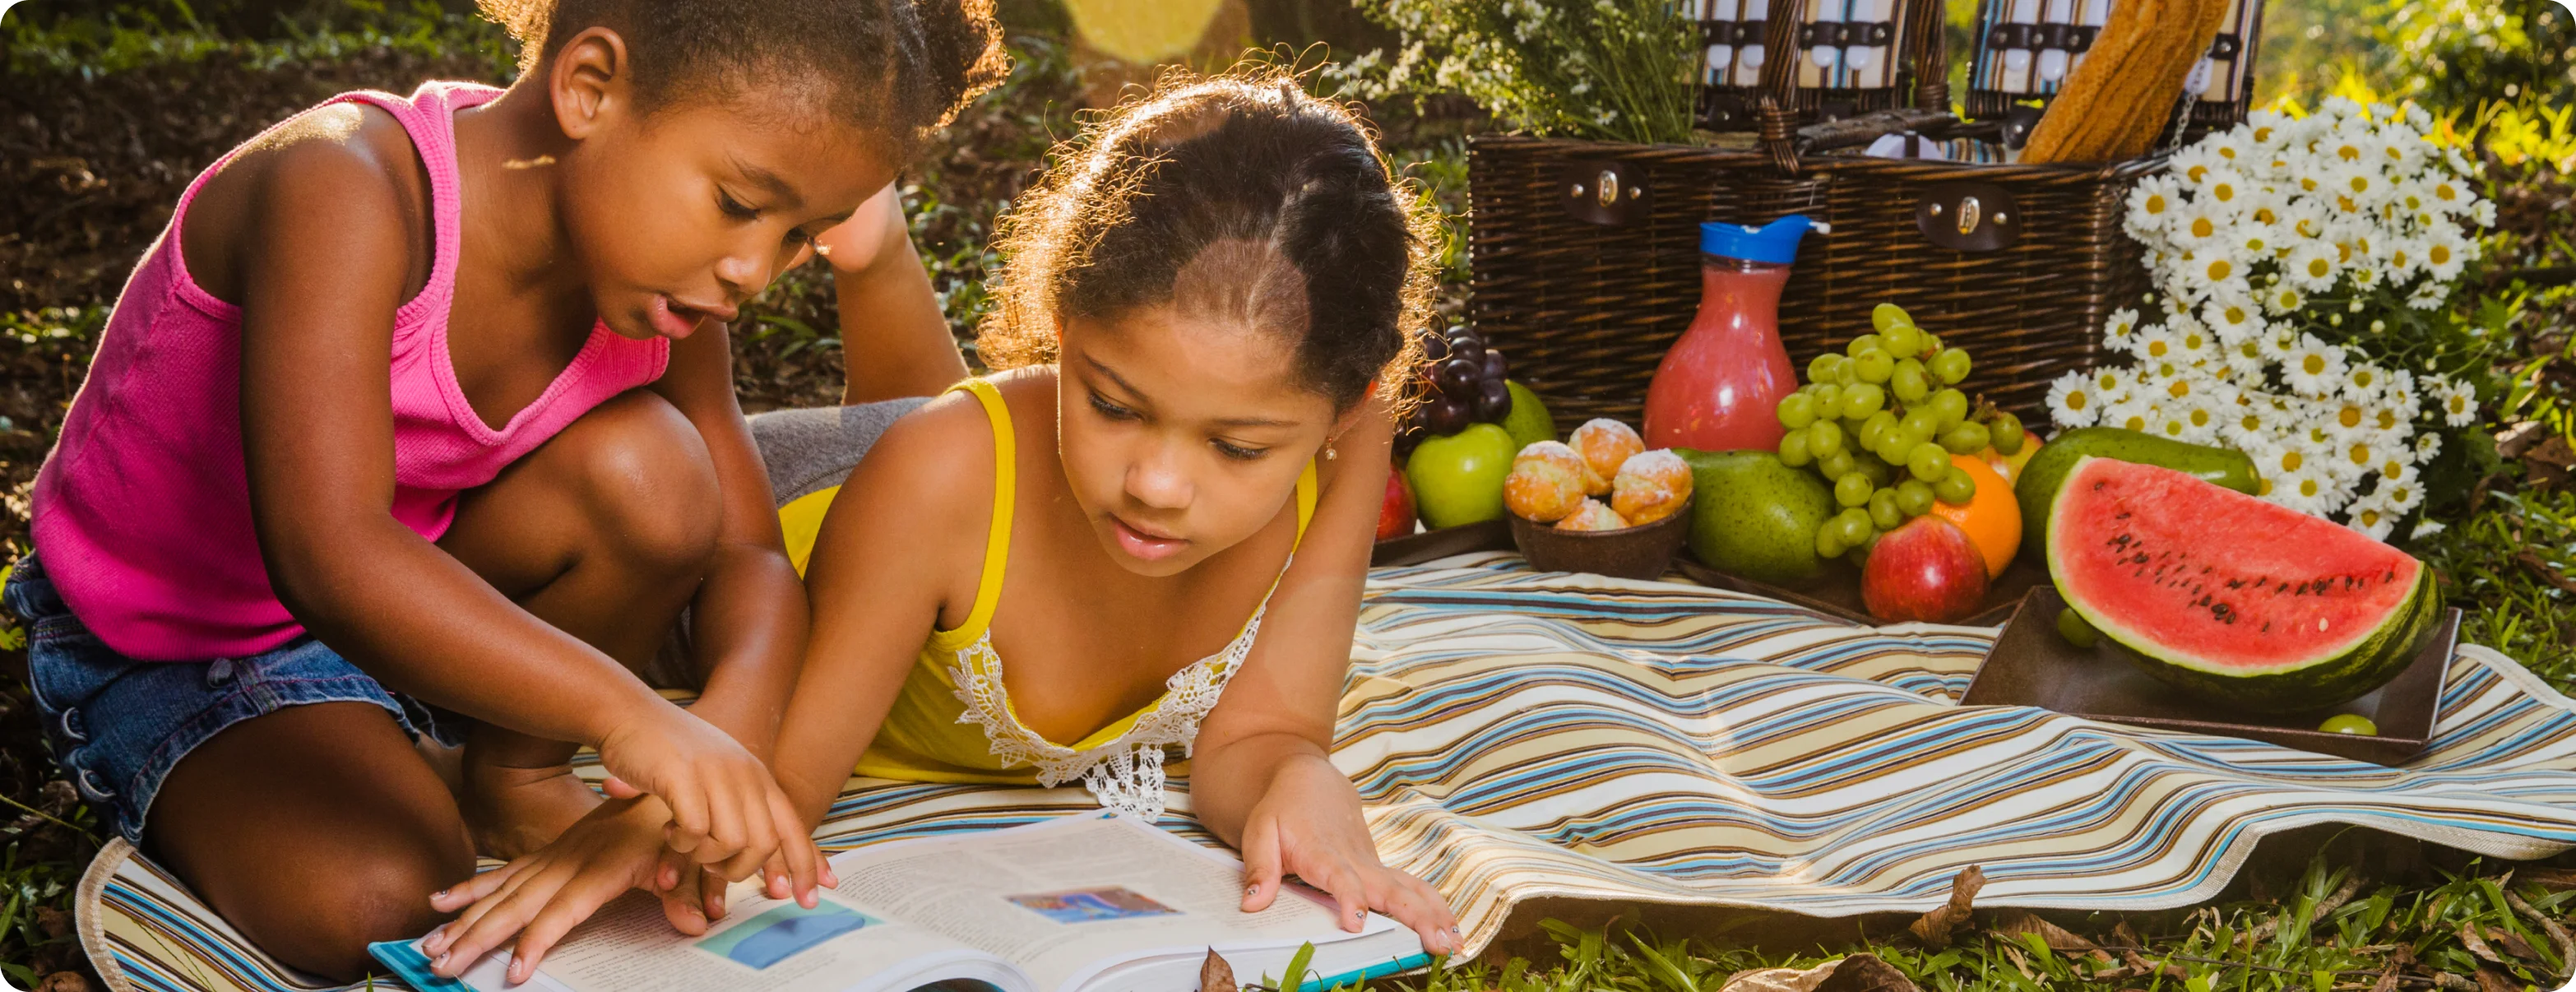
1208 309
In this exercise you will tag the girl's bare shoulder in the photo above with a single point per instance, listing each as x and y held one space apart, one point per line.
349 167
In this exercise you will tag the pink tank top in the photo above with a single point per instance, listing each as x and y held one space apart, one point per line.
142 512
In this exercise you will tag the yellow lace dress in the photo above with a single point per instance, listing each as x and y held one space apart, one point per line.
953 720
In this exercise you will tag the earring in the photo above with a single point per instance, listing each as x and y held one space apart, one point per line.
1330 454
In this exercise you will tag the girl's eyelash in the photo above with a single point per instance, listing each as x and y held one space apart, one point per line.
734 207
1239 452
1111 410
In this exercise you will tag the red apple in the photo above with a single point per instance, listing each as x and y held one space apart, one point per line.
1926 570
1395 518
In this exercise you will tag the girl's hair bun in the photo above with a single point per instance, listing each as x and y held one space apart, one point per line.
1226 193
900 67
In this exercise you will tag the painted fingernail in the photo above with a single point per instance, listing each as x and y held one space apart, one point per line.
440 894
1253 889
440 961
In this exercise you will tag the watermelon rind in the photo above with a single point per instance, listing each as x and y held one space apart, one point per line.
2339 673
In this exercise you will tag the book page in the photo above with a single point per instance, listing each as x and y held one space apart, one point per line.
762 944
1064 898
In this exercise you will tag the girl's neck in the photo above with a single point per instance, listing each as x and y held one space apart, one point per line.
506 152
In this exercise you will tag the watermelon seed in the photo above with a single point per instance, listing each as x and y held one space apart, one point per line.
2321 623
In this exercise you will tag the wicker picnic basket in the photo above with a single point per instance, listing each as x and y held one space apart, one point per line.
1586 261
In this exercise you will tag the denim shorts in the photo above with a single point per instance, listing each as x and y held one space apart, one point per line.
118 725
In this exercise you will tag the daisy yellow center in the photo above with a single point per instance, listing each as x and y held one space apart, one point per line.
2235 315
2157 349
2343 253
2308 227
2200 418
2445 193
2319 268
2179 389
2387 420
2250 422
2309 487
2307 184
2227 152
2313 364
2202 228
2263 488
2361 454
2135 423
2220 269
2198 172
2369 517
2348 153
2359 183
2262 134
2250 350
2194 342
2155 203
2438 254
2392 469
2266 215
2224 191
2290 461
2458 404
2077 400
2350 417
2345 204
2289 301
2398 258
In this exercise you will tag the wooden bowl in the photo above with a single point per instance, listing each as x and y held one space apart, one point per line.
1628 553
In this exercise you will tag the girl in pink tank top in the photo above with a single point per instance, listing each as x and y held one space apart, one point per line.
418 421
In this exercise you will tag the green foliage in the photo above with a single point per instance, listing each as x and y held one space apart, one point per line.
2334 930
116 38
2460 53
2507 566
1613 70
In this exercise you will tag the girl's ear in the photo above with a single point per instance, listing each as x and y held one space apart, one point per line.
590 82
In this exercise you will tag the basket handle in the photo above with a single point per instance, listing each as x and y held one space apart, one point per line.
1926 57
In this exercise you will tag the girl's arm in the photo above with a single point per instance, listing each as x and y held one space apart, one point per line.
907 528
323 254
1260 774
747 624
895 340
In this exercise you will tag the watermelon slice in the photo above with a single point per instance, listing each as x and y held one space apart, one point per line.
2232 598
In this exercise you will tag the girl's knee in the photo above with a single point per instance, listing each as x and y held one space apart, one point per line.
648 480
324 927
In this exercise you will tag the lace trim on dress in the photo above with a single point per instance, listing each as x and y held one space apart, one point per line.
1126 772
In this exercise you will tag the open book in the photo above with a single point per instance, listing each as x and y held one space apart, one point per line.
1089 902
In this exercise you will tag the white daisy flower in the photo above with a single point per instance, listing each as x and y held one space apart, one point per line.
2459 404
2426 528
2364 382
2120 329
2283 299
2428 446
2233 321
2314 367
2445 252
2134 414
2312 266
2154 203
2402 496
2071 403
2227 188
2372 518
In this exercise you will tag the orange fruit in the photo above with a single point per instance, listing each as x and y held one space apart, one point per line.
1992 518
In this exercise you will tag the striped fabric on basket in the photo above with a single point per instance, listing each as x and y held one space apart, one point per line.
1519 735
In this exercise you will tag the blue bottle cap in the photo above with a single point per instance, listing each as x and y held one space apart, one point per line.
1775 243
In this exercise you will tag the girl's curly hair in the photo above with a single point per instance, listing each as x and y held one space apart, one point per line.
1227 178
902 68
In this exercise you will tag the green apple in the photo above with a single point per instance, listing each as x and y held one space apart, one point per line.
1458 479
1529 422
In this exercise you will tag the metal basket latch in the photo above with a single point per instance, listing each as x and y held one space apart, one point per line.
1603 191
1968 216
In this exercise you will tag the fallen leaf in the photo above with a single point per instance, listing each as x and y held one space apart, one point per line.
1857 973
2469 939
1215 975
65 981
2549 878
2558 935
2015 922
2512 943
1934 928
2140 968
2491 980
2127 936
2387 982
2453 983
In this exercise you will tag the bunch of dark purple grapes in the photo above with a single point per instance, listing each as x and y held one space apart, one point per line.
1467 387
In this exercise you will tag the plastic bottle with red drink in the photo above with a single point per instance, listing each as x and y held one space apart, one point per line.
1719 387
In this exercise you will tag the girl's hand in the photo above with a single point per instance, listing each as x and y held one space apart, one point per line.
727 813
854 244
541 897
1308 824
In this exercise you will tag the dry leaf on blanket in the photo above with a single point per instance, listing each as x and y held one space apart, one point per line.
2549 878
2491 980
2512 943
1215 975
1857 973
1935 927
66 981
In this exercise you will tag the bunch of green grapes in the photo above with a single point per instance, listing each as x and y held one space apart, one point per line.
1880 422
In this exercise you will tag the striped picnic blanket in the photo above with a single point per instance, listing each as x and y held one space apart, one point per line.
1519 735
